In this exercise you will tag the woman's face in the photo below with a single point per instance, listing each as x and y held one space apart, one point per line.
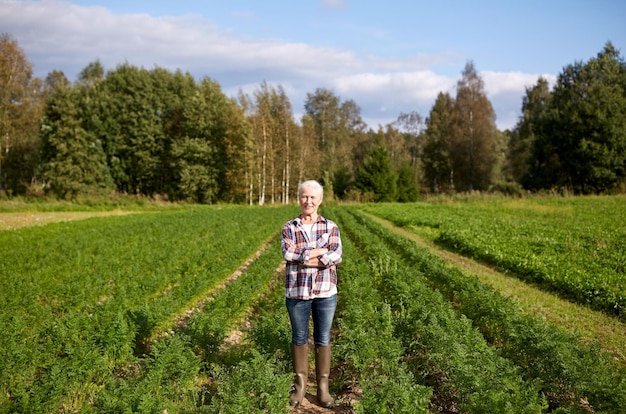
310 199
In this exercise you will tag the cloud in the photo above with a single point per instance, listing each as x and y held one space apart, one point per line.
501 83
506 90
57 35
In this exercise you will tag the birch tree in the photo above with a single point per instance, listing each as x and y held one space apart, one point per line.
338 129
21 107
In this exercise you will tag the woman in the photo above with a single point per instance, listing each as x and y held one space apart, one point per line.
311 246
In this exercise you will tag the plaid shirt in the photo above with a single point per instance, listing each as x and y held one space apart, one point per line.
304 282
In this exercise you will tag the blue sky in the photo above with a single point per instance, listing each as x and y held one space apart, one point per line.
388 56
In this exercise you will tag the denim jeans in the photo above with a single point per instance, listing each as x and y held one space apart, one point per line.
323 310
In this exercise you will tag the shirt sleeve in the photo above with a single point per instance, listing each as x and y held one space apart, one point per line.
334 255
292 252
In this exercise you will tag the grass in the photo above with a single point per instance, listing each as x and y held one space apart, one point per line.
18 219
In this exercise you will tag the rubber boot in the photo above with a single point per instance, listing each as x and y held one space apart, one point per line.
300 357
322 373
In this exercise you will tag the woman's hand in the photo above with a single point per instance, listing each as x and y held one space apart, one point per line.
314 260
319 251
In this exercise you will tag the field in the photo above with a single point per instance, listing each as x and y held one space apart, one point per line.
181 310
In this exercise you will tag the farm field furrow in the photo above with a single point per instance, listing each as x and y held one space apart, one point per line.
195 369
445 350
184 311
573 246
569 373
83 297
592 327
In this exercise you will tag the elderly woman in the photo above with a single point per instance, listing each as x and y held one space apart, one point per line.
311 246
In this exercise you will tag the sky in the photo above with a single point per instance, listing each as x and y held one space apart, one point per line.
389 57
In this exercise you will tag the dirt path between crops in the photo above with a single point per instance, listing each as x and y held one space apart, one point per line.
590 325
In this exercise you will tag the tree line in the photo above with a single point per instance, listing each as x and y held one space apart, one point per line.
163 133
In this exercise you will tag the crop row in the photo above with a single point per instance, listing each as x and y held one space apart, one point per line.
568 373
191 370
572 246
445 351
82 299
412 335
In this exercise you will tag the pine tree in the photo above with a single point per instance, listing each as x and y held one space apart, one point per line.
436 163
474 139
376 176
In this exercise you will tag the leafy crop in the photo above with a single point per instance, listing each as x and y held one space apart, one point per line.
82 299
568 372
572 246
96 317
443 348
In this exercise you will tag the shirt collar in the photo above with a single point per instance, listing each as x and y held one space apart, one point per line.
298 220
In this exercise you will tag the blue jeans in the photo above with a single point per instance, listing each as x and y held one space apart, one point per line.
323 310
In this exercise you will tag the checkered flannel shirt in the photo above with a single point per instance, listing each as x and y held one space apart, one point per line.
304 282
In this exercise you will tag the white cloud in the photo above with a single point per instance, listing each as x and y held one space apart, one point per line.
59 35
506 91
500 83
404 86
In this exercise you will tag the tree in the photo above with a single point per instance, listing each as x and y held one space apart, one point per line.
534 106
582 142
323 108
474 139
92 73
436 163
287 129
238 151
73 160
407 188
411 125
134 132
342 181
172 91
264 125
285 151
275 106
20 111
55 80
196 173
205 154
338 130
307 154
248 155
376 176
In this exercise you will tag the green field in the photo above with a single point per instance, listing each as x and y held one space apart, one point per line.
572 246
136 313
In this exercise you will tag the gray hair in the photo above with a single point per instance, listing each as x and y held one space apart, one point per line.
310 183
